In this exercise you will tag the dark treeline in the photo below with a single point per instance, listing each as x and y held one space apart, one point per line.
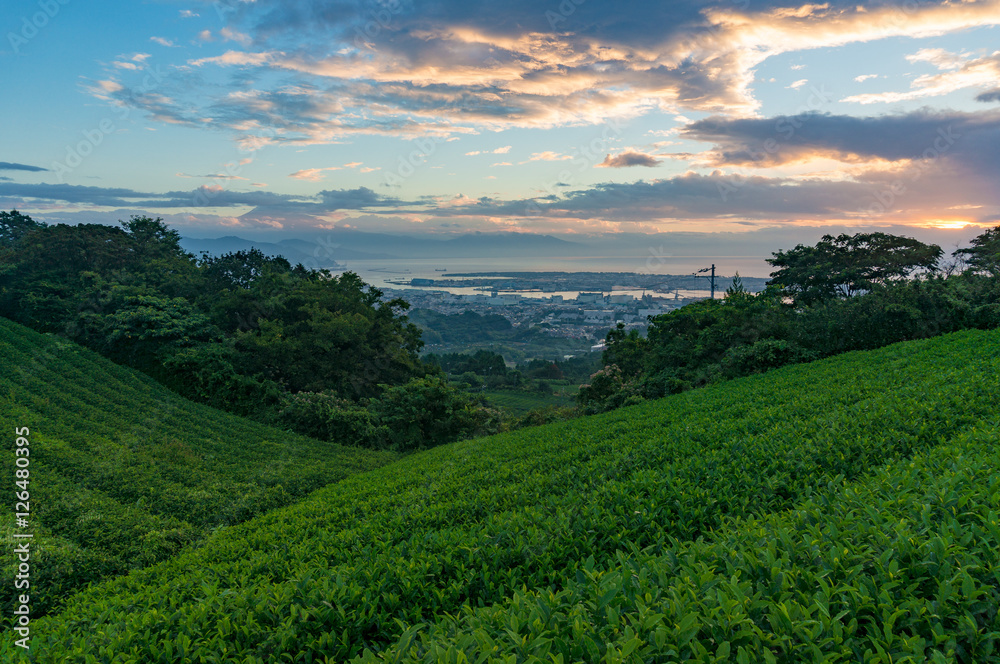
491 368
320 354
845 293
329 357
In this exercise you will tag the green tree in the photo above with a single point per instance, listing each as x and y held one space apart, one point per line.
144 330
317 332
984 254
14 225
427 411
848 265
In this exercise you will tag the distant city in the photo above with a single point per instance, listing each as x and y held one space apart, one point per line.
557 302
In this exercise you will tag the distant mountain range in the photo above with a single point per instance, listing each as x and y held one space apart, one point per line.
326 248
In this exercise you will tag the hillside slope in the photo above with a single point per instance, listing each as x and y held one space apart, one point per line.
124 473
465 526
901 566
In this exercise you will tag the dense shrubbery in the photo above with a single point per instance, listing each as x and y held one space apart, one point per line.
243 332
403 418
125 473
612 537
844 294
885 570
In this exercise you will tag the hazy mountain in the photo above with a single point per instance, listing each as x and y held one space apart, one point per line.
325 247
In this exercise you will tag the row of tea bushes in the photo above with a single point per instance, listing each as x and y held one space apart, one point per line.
468 524
124 473
903 566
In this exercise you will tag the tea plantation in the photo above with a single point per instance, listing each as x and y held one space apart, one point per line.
844 510
124 473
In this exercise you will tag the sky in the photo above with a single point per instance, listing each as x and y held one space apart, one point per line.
565 117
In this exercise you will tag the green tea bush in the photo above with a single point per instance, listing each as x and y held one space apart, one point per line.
125 473
463 527
900 567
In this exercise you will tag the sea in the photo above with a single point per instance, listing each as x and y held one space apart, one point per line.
387 273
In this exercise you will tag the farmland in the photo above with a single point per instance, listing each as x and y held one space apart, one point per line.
520 402
125 473
843 509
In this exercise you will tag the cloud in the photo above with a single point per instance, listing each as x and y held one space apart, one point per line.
187 13
355 199
212 176
228 34
504 150
117 197
629 158
466 66
767 142
903 168
11 166
865 77
799 83
959 73
205 196
312 174
162 41
727 199
991 95
316 174
548 155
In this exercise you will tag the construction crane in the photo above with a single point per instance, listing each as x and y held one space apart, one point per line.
711 279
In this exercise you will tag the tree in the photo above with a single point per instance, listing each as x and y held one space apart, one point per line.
318 332
625 349
984 254
14 225
848 265
145 329
427 411
241 269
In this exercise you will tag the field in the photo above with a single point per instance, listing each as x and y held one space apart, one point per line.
520 402
844 510
124 473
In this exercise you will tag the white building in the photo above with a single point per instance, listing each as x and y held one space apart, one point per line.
597 316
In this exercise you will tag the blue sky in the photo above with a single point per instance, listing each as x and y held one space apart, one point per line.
566 117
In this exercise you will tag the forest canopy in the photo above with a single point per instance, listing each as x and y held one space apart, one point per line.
245 332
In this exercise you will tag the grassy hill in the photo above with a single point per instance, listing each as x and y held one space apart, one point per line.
845 509
124 473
